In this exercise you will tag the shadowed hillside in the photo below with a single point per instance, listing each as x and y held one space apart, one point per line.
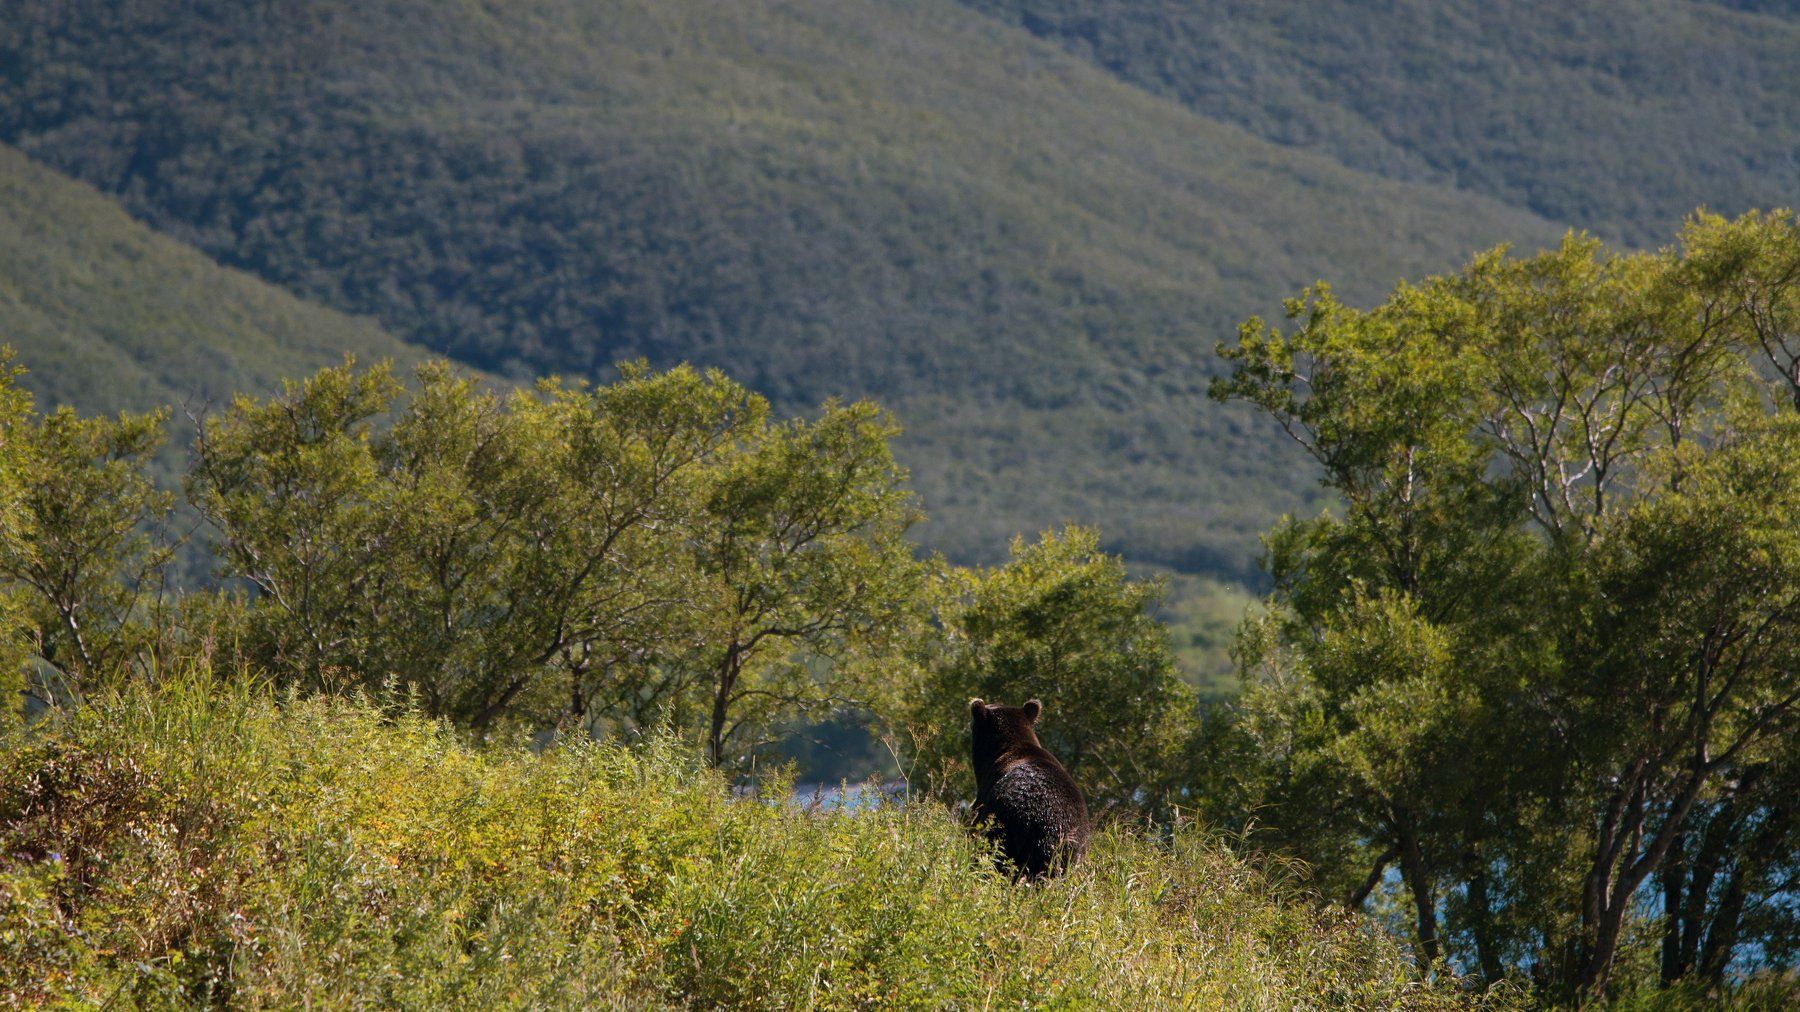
1026 259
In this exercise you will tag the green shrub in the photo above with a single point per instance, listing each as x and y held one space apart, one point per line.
199 844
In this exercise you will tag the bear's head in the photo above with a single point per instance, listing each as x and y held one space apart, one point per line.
996 729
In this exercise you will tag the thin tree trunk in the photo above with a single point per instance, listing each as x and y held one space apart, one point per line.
487 714
577 704
1361 894
1418 882
1753 861
1598 964
1486 951
1719 833
1674 880
721 711
1639 862
1722 936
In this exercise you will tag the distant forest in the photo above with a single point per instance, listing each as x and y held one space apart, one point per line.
1026 259
1617 117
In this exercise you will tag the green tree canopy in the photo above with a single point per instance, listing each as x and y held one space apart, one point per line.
1547 639
801 553
84 543
649 549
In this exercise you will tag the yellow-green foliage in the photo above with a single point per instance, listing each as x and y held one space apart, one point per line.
204 844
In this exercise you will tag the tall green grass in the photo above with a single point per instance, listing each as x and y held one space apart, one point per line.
200 844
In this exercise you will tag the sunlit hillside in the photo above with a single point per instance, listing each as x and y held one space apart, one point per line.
107 315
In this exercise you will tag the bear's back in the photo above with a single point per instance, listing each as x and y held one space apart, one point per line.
1042 817
1028 800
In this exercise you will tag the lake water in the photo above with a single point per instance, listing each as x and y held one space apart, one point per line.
846 797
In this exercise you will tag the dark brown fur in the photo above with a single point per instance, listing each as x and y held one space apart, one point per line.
1024 798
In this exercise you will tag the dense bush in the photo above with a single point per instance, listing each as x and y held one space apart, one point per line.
207 843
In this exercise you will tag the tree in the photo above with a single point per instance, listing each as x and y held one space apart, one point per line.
15 537
1687 680
287 485
1548 639
518 556
1359 691
87 546
1748 270
803 565
615 559
650 549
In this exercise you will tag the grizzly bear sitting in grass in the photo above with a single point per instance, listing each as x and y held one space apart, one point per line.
1025 799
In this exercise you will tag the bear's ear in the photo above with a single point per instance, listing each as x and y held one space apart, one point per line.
1032 708
975 706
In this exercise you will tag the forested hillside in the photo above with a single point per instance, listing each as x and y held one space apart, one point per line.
1620 117
390 683
1528 698
1027 260
107 315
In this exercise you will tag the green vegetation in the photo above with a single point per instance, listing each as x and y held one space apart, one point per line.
1524 691
1024 259
87 546
1027 261
1062 615
203 844
107 315
1546 660
657 551
1540 663
1617 117
646 550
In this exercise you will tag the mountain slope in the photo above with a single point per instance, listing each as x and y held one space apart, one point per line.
1619 117
108 315
1028 260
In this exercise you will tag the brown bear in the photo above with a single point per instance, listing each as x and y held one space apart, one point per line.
1025 799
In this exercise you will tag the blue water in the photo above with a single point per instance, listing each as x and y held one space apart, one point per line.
846 797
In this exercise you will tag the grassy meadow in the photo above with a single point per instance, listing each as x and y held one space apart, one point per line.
206 843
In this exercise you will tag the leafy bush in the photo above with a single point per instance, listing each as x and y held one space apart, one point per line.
208 843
